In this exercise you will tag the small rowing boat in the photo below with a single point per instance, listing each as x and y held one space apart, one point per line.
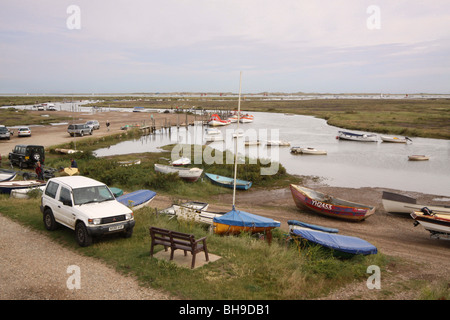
300 150
417 157
8 186
236 221
137 199
364 137
329 206
188 174
229 182
341 243
395 139
294 224
398 203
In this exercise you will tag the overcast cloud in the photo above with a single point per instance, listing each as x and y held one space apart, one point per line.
201 45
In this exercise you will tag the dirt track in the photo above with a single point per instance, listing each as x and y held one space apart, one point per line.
423 258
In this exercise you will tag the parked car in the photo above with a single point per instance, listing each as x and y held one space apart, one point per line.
94 124
27 155
79 129
4 133
24 132
86 206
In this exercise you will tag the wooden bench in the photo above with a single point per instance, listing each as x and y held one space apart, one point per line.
177 240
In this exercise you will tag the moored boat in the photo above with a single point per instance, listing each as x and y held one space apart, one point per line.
129 163
280 143
23 193
364 137
398 203
229 182
345 244
188 174
216 121
395 139
438 225
329 206
8 186
183 161
418 157
137 199
191 213
247 118
295 224
7 175
300 150
236 221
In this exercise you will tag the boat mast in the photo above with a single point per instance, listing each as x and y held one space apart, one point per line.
237 136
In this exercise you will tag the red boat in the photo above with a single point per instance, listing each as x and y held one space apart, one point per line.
329 206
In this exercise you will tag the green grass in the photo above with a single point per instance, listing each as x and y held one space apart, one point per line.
249 269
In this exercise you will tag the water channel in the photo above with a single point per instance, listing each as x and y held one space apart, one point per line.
347 163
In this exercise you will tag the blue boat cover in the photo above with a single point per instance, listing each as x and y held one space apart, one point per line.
338 242
312 226
245 219
138 197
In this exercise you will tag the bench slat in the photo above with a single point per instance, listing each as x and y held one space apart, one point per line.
178 240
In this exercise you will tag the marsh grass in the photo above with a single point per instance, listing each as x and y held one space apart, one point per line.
427 118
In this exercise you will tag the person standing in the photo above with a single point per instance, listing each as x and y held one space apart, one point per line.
107 124
73 163
39 172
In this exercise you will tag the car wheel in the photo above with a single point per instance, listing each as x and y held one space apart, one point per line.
84 239
81 134
128 233
49 220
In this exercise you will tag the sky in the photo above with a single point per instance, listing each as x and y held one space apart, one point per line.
138 46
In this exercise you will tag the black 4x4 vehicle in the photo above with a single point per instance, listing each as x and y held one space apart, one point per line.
27 155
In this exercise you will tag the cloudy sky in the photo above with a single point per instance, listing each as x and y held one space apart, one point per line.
326 46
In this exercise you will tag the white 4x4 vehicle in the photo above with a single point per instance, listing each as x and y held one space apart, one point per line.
86 206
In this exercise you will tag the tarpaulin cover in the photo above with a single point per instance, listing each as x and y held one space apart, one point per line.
245 219
342 243
137 197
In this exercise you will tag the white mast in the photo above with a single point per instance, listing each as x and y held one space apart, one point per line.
237 135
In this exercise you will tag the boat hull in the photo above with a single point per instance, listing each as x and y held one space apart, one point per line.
401 204
235 222
187 174
8 186
435 224
343 135
329 206
137 199
222 229
229 182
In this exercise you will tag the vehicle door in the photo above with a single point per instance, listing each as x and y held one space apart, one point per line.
51 194
65 206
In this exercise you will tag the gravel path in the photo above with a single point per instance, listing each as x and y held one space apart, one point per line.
32 267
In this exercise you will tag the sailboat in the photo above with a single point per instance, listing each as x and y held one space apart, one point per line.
236 221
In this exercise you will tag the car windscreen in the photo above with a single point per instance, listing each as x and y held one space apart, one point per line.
91 194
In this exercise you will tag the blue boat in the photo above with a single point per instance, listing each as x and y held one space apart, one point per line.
137 199
236 221
311 226
7 175
345 244
229 182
